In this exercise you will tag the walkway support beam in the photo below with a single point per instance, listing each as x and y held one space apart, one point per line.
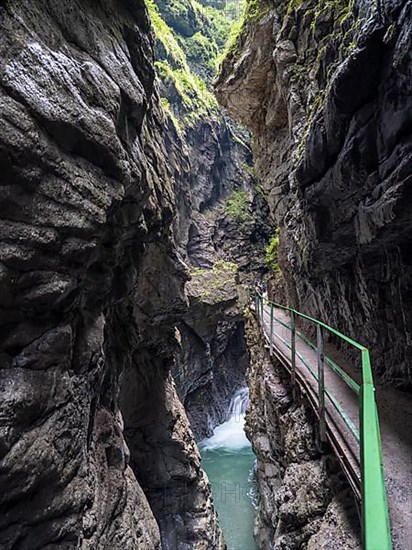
293 346
321 385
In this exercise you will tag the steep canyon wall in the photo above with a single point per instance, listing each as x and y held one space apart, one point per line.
95 447
222 223
325 88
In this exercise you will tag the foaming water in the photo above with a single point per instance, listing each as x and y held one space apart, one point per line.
229 461
231 436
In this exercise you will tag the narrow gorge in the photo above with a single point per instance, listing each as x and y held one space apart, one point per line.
180 179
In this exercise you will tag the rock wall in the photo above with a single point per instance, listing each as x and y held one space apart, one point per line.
91 290
304 499
221 169
325 88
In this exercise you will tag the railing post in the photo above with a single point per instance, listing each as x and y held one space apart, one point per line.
271 330
321 384
375 517
293 346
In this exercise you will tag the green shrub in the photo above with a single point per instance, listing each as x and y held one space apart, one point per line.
238 206
272 254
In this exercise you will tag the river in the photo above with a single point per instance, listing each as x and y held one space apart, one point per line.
228 460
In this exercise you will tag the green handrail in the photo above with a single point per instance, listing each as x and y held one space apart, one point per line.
375 514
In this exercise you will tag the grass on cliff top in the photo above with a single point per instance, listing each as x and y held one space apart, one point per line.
214 285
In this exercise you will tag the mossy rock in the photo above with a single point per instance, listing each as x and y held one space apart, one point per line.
272 254
215 285
238 206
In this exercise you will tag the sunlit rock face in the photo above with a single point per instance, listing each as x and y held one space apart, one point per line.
91 289
326 90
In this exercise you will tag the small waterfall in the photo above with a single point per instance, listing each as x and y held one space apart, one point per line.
230 435
240 402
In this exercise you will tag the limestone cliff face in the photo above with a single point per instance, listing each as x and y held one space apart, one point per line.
304 499
326 89
91 289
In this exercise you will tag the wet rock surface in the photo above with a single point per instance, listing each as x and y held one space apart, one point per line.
213 361
326 91
304 499
91 290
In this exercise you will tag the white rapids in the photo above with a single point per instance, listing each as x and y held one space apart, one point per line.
231 435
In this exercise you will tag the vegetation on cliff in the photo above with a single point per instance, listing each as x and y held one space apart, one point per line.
184 93
238 206
188 38
272 254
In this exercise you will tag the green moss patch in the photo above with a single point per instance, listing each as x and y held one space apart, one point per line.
272 254
238 206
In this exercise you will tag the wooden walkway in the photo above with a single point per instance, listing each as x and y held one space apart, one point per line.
395 415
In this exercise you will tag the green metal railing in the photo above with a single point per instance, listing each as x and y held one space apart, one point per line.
375 516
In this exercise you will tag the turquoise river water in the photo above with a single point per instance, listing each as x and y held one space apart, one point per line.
228 460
